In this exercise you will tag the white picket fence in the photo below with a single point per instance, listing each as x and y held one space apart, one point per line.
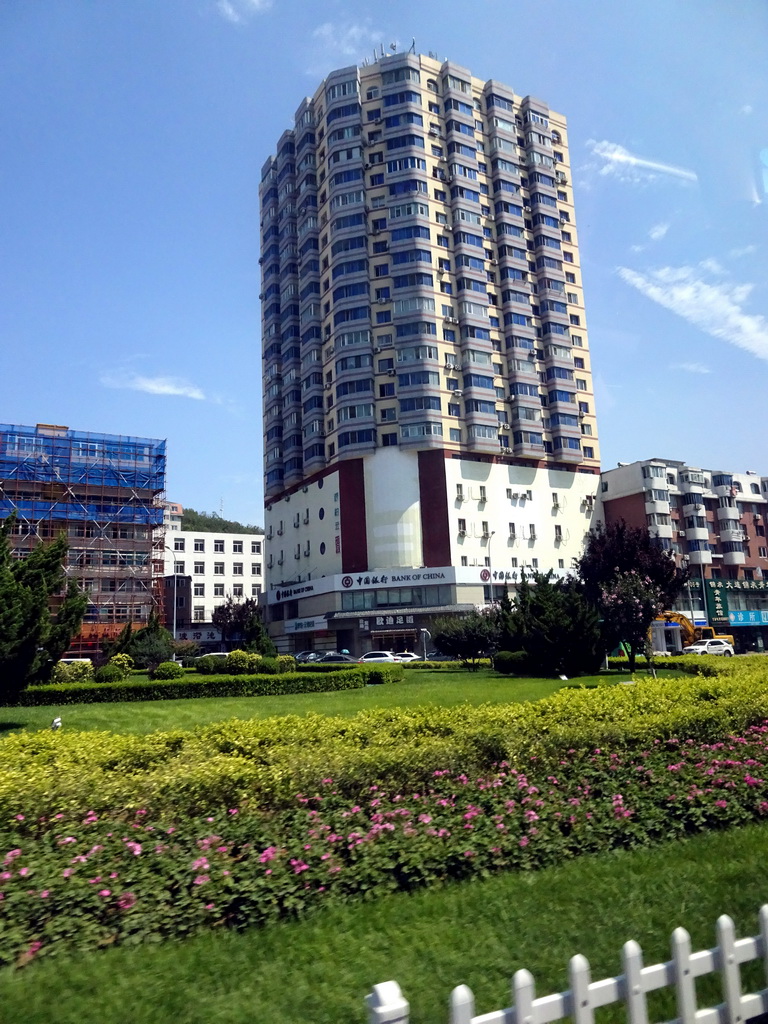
386 1004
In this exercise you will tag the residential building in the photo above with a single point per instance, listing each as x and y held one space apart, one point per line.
106 492
202 570
429 423
710 520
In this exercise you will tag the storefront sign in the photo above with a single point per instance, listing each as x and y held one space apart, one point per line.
202 635
308 625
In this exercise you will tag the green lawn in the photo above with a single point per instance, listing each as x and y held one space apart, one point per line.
419 687
476 933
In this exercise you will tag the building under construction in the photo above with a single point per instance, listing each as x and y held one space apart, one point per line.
106 492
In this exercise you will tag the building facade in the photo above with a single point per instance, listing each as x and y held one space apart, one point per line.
714 522
202 570
429 423
106 493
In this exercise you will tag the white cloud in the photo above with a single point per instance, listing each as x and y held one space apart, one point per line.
714 306
237 11
690 367
747 109
658 231
745 250
346 41
615 161
153 385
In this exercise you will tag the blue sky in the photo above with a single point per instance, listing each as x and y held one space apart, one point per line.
133 137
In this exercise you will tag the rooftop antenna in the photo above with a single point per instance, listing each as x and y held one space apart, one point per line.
413 44
393 47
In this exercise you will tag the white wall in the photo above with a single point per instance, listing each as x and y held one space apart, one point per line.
535 518
237 570
393 509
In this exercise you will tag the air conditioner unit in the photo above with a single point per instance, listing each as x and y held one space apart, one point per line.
527 209
515 494
392 373
681 533
328 387
462 533
494 263
506 451
485 536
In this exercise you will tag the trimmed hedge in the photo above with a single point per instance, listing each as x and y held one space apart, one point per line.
208 686
268 761
511 663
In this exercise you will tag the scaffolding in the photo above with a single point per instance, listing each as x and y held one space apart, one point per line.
106 492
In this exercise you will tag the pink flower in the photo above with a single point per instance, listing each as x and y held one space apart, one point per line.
23 872
267 855
233 810
67 872
34 947
126 901
19 817
44 894
299 866
524 841
201 864
201 880
105 892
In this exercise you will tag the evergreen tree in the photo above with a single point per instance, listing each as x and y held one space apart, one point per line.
151 644
555 625
29 639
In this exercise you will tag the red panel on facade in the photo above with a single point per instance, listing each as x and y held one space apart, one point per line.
435 533
354 539
631 509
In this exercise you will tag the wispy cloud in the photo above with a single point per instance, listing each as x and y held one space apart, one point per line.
658 231
704 297
747 109
346 41
691 367
745 250
237 11
613 160
177 386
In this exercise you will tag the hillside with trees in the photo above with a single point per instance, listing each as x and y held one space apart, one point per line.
210 522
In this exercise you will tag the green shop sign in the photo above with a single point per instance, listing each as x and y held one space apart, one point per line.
718 609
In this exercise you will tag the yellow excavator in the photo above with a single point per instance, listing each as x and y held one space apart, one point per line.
689 633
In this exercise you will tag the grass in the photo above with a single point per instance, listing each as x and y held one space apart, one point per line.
476 933
419 687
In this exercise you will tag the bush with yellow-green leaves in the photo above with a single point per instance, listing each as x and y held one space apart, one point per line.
113 838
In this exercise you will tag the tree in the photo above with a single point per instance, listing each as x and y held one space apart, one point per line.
630 581
467 637
210 522
151 644
554 624
29 638
243 619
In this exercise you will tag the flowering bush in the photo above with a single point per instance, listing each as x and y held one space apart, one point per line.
82 878
72 672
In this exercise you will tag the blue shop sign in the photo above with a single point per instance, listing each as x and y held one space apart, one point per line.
756 618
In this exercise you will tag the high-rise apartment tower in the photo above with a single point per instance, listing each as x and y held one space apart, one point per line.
429 425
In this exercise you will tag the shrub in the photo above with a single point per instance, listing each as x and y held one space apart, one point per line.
168 670
209 665
72 672
286 663
267 666
109 674
240 662
124 662
511 663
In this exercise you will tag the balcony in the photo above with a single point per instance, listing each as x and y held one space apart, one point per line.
728 513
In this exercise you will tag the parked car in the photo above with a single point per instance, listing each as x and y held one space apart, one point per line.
304 656
213 654
710 647
379 656
408 656
335 656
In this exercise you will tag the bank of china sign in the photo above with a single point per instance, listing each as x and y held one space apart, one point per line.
365 581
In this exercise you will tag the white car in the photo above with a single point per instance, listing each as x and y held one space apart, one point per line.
408 656
710 647
378 656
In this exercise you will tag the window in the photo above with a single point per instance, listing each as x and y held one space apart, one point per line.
255 569
237 590
198 613
482 493
218 568
199 544
484 528
255 589
218 546
558 534
255 547
199 568
218 590
589 453
199 590
237 547
178 544
178 568
462 526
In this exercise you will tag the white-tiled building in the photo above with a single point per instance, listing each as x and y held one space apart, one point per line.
213 566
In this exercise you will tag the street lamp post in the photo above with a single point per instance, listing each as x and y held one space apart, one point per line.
490 561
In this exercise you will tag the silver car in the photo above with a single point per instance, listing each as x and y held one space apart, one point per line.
710 647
